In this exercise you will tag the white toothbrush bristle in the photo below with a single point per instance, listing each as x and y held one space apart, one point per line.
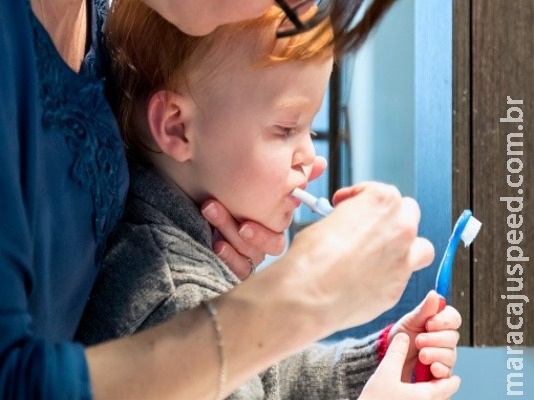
471 230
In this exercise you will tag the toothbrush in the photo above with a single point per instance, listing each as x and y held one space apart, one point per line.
320 205
465 229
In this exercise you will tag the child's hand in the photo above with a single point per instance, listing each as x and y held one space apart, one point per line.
433 336
386 382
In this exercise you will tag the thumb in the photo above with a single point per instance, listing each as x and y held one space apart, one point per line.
347 192
391 366
427 308
318 167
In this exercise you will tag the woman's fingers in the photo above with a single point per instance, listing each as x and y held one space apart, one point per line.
421 254
421 251
249 239
240 245
411 211
263 239
380 191
317 168
238 263
225 225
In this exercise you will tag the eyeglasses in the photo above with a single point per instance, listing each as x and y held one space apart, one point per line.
303 17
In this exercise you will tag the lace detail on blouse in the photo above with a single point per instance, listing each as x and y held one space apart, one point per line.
74 106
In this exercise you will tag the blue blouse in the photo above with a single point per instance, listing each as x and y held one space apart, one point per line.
63 180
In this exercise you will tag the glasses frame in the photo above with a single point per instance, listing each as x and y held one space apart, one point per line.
299 26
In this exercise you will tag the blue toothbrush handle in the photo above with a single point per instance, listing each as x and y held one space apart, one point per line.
443 279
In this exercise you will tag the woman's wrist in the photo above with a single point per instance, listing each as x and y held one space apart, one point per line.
264 320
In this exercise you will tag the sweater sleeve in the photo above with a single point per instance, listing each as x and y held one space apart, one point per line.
30 367
331 372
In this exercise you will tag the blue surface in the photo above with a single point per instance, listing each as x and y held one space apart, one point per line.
483 372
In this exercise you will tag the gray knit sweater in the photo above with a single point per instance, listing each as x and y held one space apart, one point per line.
159 262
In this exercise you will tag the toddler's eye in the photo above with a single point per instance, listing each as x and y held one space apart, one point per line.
287 131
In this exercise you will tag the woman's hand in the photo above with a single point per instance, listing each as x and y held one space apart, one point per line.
386 384
237 243
433 333
354 264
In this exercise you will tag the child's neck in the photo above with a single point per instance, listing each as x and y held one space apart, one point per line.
173 176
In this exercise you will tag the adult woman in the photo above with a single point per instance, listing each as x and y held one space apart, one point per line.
63 181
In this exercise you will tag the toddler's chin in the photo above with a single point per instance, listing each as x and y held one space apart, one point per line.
280 223
276 223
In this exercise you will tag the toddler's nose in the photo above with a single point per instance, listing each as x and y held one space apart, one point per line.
305 152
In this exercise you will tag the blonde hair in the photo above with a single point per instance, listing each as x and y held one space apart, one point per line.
150 54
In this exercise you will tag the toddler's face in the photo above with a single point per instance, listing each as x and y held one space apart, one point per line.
252 138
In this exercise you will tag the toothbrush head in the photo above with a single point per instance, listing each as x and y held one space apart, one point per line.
466 228
471 230
324 207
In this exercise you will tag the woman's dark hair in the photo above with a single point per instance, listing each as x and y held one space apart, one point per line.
348 34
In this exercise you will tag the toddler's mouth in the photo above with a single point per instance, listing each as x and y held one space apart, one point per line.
320 206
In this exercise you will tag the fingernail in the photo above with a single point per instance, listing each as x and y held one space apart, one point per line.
324 158
423 356
403 338
210 212
220 252
421 340
246 232
442 303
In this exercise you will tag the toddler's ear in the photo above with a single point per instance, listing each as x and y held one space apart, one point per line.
167 125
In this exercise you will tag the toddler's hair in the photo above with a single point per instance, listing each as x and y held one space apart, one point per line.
149 54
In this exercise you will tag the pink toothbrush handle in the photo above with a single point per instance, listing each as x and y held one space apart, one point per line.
422 372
